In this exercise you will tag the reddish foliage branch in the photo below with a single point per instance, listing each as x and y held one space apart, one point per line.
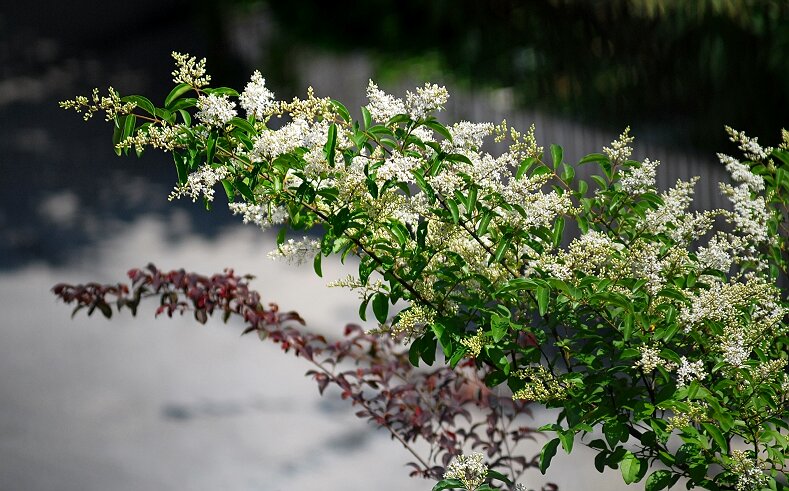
446 408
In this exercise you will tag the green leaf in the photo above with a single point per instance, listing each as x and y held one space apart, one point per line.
567 438
660 479
524 166
448 484
186 117
366 118
543 296
128 126
316 264
501 249
244 125
547 453
177 92
593 157
453 209
582 187
381 307
498 358
120 123
557 155
558 231
331 144
498 476
614 432
471 200
341 110
222 91
482 228
141 102
630 466
499 327
438 128
568 173
717 436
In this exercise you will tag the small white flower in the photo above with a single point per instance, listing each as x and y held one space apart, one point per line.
740 172
427 99
215 109
383 106
620 149
263 215
689 371
639 180
296 252
200 182
471 470
257 100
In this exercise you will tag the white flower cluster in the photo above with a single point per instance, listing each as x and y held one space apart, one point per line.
426 100
591 253
750 476
750 214
383 106
650 359
467 136
189 71
725 303
641 179
749 146
541 385
215 109
417 105
740 172
110 104
263 214
257 100
296 251
298 133
689 371
413 320
398 167
200 182
686 371
696 413
620 149
469 470
474 343
674 208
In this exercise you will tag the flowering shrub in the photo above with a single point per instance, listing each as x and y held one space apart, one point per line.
660 326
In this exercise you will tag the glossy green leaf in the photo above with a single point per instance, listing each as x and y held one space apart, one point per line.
453 210
141 102
630 466
543 297
174 94
660 479
558 231
316 264
448 484
331 144
567 438
341 110
438 128
557 155
717 436
381 307
547 453
366 118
